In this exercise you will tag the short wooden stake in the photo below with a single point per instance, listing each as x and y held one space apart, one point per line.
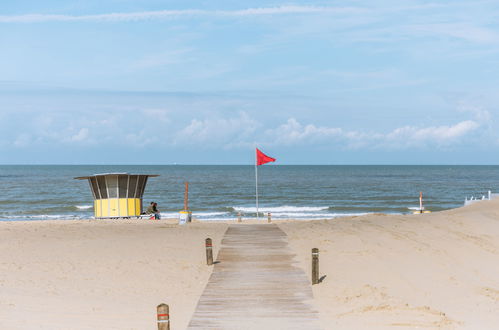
239 219
163 313
269 217
315 265
209 252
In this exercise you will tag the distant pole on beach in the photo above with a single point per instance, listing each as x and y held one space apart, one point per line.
186 197
260 159
421 202
256 183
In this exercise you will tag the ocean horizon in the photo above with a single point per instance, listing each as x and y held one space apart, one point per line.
219 192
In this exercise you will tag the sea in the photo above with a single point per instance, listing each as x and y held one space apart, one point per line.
45 192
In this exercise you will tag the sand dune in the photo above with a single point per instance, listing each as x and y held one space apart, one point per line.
437 270
428 271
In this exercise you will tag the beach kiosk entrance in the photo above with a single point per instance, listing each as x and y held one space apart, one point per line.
117 195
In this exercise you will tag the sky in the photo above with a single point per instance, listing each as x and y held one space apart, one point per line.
204 82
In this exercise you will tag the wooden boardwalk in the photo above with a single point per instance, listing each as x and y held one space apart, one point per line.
256 284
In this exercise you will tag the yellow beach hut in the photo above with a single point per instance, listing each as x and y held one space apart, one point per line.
117 195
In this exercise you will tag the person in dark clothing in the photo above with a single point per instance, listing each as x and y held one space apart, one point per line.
156 211
153 209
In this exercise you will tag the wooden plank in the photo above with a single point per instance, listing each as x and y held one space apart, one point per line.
256 284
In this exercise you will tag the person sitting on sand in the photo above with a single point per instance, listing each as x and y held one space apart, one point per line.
153 209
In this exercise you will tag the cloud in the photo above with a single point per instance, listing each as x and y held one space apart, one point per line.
82 135
229 132
162 14
478 112
441 135
294 133
462 30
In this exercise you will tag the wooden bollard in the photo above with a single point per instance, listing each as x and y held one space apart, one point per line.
269 218
315 265
209 252
239 219
163 312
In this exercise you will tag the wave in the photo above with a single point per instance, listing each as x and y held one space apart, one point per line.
208 214
278 209
84 207
41 217
316 215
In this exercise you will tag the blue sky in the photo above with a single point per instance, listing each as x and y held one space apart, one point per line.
310 82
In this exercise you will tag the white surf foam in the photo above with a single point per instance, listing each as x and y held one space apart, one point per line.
208 214
315 215
277 209
42 217
84 207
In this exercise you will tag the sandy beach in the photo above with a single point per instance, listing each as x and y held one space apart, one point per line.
428 271
101 274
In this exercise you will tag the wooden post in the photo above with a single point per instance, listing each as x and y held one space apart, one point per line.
315 265
239 219
209 252
163 313
186 197
269 217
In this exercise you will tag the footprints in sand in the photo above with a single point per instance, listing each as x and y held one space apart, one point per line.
490 292
368 302
480 241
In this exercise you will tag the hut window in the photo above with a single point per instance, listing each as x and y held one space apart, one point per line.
95 189
112 185
101 181
132 187
123 185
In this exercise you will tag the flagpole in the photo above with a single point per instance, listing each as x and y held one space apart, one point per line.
256 185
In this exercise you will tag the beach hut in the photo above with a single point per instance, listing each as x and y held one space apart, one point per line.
117 195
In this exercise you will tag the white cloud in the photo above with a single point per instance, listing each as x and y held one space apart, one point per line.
478 112
154 126
410 135
292 133
229 132
161 14
462 30
82 135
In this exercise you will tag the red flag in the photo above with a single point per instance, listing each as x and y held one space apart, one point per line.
262 158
